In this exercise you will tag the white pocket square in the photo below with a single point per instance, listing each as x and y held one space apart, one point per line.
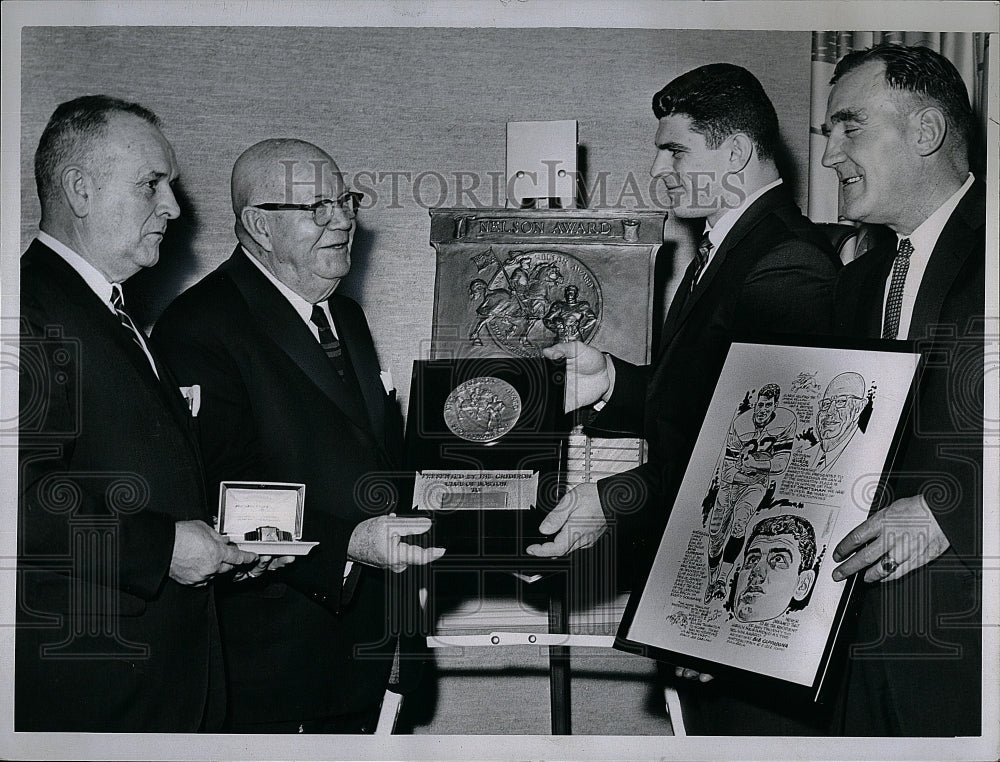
192 395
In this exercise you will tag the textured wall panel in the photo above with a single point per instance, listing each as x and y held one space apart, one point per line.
428 102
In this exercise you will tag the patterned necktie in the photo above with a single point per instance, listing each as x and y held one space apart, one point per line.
118 302
327 340
701 257
894 303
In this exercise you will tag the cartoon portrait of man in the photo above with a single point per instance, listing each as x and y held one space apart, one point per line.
758 445
838 418
779 569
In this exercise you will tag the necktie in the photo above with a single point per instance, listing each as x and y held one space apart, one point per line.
894 303
118 302
701 257
327 340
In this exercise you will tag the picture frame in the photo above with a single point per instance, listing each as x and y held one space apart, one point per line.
791 457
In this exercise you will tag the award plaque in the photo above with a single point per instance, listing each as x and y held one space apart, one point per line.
264 517
486 438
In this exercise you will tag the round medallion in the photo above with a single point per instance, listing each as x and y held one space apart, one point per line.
482 409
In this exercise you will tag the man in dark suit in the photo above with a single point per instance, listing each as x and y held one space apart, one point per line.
117 628
761 268
292 392
899 129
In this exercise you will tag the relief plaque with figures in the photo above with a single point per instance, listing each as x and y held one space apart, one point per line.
510 283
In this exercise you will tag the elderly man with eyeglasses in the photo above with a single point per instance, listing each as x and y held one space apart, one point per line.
292 391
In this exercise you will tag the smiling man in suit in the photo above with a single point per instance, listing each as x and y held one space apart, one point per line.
761 267
292 392
899 128
117 630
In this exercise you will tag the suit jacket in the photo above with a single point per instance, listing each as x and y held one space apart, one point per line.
773 273
930 645
106 641
299 643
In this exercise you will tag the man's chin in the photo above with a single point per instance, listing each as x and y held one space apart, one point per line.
146 257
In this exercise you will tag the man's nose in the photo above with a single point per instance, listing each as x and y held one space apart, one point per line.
663 164
833 153
340 218
168 205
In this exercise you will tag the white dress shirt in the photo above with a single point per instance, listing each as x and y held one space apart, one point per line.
923 240
302 307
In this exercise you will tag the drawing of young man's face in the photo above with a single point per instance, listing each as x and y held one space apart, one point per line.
837 417
770 578
763 409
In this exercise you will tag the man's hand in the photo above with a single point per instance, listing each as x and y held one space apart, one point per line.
587 372
376 542
692 674
578 520
201 553
264 564
892 542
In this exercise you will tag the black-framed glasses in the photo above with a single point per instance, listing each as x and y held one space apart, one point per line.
841 401
322 210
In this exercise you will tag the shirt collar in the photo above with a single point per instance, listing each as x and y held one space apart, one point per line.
90 274
718 232
301 306
926 234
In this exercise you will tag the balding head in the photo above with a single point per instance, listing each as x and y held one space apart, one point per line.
281 170
837 417
307 256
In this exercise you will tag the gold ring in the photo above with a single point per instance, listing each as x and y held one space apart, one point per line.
889 564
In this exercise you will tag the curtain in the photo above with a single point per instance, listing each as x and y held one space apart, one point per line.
967 50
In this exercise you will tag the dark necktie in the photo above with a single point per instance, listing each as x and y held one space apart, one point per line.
701 258
327 340
894 302
118 302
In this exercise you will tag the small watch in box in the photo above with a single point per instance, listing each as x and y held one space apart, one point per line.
264 517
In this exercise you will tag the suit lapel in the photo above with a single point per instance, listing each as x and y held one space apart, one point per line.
869 287
677 304
282 324
90 307
953 248
747 221
361 355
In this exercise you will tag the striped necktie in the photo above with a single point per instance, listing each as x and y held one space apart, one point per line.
328 340
894 302
705 247
118 302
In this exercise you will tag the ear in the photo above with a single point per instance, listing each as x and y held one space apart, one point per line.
78 188
804 585
931 128
256 224
740 151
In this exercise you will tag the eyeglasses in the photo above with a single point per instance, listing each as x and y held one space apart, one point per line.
322 211
840 402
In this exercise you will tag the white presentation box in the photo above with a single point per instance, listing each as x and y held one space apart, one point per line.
264 517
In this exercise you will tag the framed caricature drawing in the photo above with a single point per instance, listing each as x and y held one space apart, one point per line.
788 461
